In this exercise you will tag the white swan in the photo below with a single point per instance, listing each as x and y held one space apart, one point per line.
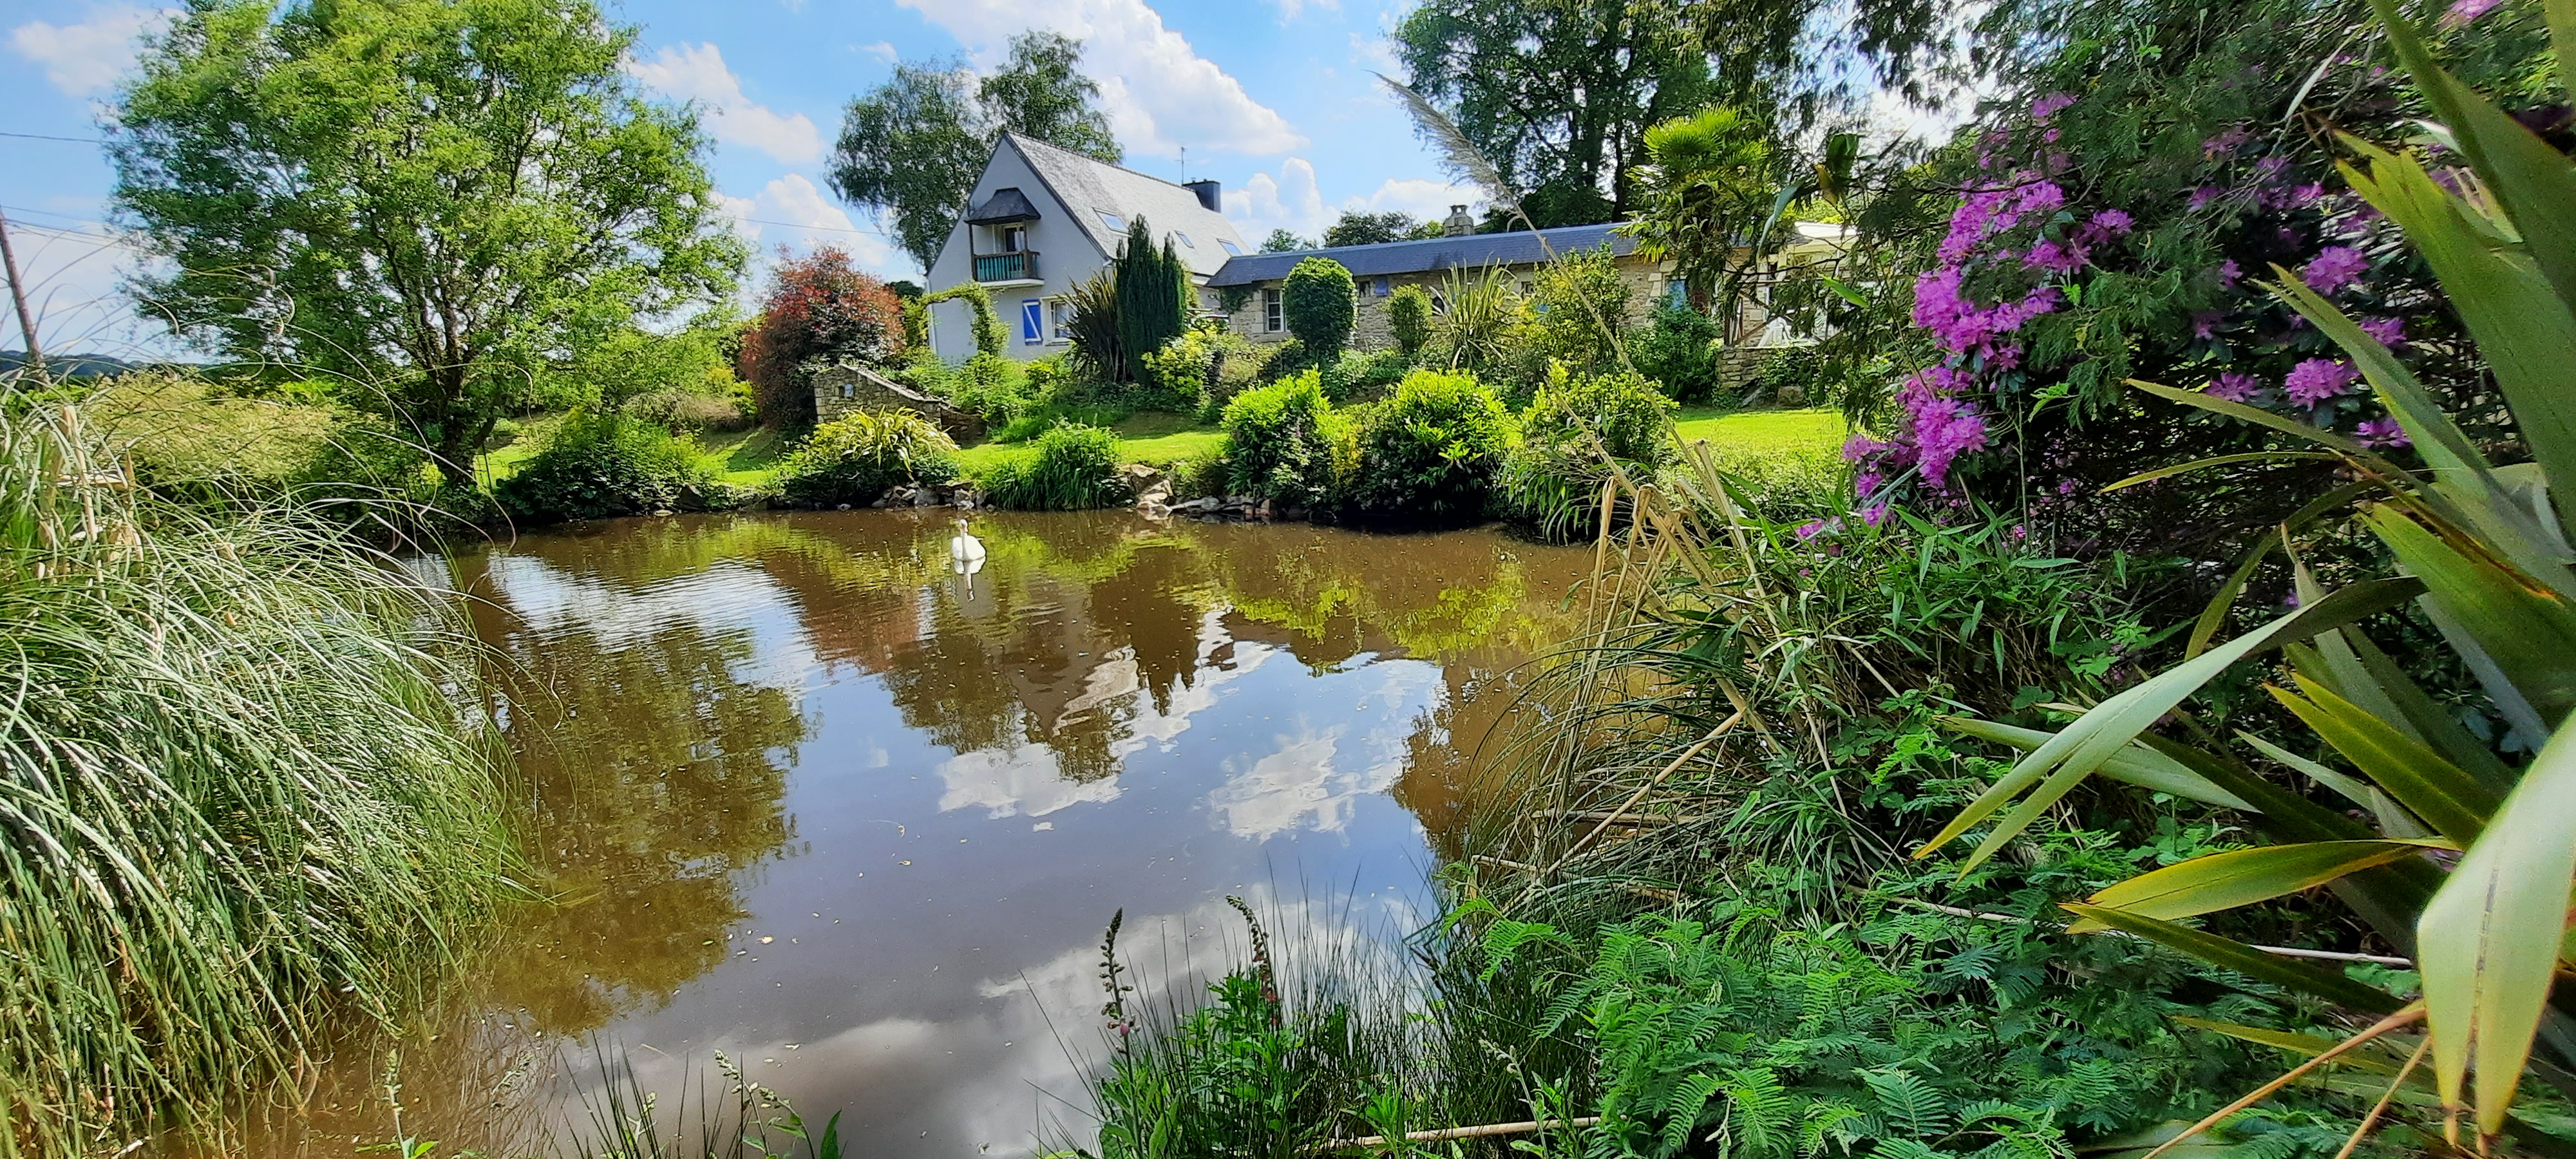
966 553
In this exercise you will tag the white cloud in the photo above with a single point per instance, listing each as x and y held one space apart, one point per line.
795 212
1024 781
1290 200
1159 93
697 72
1315 779
1288 9
1425 199
882 50
88 58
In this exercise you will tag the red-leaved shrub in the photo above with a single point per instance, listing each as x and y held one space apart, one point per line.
818 305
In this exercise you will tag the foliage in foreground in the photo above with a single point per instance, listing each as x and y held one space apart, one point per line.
243 790
1571 435
856 458
2485 551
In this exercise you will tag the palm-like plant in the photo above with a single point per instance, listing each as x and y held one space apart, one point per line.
2485 549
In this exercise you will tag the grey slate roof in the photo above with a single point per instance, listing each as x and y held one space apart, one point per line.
1473 251
1087 187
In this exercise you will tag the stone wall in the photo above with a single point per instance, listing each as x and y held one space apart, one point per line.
840 389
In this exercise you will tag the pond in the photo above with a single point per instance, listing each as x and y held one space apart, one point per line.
808 797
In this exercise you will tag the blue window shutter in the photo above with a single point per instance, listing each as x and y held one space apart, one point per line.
1032 321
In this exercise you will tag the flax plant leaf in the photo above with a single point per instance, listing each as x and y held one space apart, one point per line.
2244 959
2241 877
2529 631
2493 937
2449 800
2136 765
2081 747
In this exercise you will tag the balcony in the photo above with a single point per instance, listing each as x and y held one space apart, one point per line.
1007 269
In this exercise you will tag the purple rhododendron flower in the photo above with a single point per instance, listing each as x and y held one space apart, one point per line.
2204 324
2115 221
2271 168
2201 197
2383 431
2228 272
2318 379
2334 267
2050 105
2391 332
2463 11
2234 387
2042 197
2055 257
2225 143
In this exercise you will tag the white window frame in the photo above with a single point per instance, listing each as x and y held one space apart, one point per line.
1117 222
1059 319
1274 311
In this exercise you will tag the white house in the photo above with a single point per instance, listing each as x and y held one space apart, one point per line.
1042 220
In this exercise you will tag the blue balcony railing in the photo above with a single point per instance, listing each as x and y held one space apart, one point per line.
1011 267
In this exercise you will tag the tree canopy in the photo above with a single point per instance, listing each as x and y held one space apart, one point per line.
433 198
911 149
1282 241
1373 228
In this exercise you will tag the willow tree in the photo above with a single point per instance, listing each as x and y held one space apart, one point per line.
432 198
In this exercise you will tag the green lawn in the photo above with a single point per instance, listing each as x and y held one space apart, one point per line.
1158 438
1764 430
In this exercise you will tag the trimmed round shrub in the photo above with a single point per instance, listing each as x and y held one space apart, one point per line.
1430 453
856 458
1071 468
1408 317
1322 305
602 465
1284 442
1552 480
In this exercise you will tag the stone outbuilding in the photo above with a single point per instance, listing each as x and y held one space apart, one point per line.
841 388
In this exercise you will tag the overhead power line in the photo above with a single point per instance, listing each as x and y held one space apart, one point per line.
49 137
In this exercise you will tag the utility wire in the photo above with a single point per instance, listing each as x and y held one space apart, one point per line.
46 137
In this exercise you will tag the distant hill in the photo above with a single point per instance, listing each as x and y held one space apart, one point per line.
72 365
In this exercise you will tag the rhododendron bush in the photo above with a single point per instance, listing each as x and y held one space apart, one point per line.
2118 222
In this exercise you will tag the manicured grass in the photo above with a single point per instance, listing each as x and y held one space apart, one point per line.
744 458
1758 430
1158 438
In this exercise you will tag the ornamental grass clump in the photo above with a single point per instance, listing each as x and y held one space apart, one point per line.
1573 432
860 456
250 781
1072 467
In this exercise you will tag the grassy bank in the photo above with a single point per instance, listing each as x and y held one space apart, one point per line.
242 789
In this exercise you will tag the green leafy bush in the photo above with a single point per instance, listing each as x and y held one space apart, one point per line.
1679 349
1795 376
1357 377
1284 442
1430 452
1073 467
1552 480
1408 320
599 466
1577 313
861 456
1322 305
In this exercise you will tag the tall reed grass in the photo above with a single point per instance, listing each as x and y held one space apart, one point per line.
247 779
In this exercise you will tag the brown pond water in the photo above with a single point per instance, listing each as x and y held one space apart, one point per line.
813 800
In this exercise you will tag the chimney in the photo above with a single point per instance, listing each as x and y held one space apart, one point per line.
1211 194
1458 224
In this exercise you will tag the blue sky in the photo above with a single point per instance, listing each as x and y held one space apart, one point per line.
1271 97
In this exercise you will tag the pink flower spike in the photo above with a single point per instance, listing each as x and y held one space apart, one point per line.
2318 379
